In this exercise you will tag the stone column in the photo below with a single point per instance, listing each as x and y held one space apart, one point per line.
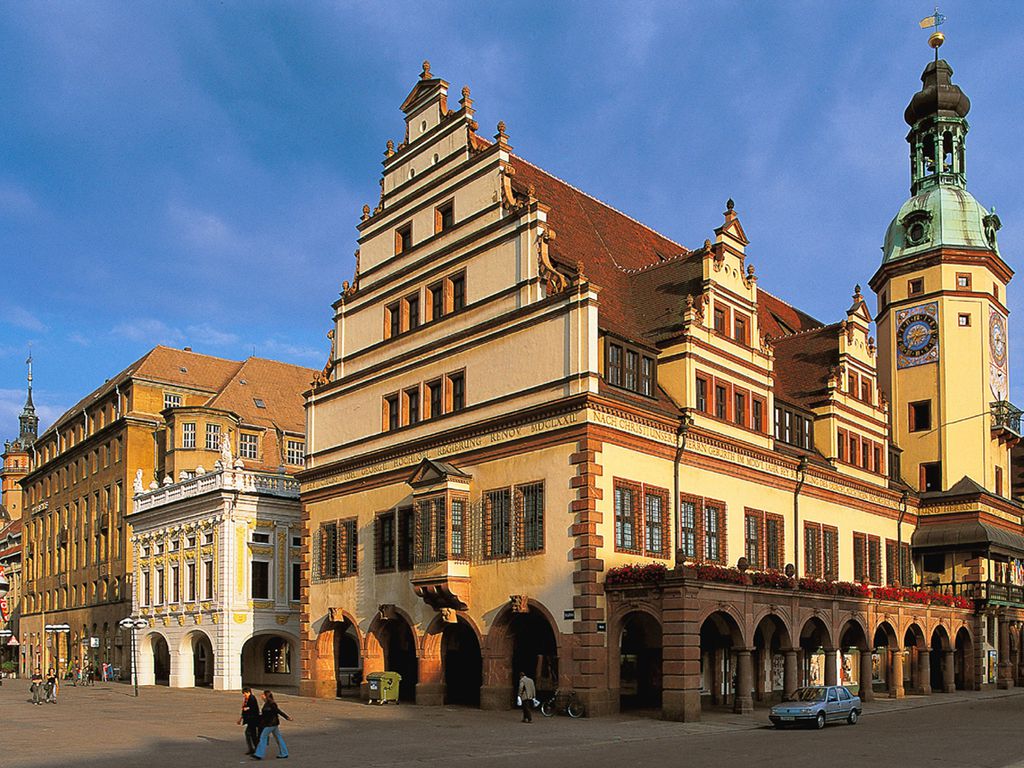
429 682
1004 677
831 658
896 674
924 671
680 696
789 673
948 672
867 692
743 703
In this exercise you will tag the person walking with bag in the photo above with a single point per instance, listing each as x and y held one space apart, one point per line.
527 694
269 723
250 717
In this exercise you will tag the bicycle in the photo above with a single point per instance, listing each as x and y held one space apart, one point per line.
563 701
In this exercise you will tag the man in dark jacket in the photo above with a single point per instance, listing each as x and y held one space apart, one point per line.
251 718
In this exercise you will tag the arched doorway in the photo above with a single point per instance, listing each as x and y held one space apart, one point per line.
771 641
399 647
942 663
347 663
462 664
200 649
963 675
719 662
161 660
818 661
917 673
269 660
640 662
855 660
519 641
887 661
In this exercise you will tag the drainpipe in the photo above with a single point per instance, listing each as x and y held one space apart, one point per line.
685 422
801 475
899 539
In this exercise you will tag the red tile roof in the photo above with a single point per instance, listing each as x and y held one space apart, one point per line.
802 364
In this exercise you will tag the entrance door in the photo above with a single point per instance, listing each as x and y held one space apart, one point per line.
463 665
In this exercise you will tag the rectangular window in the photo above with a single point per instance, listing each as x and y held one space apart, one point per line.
963 281
655 520
435 294
752 539
812 549
175 585
329 551
964 319
458 389
647 377
213 437
713 519
190 581
688 528
440 528
630 371
774 540
392 412
702 394
406 538
921 416
412 406
532 496
347 548
626 517
248 445
385 559
188 434
296 594
865 453
757 415
614 365
171 400
458 283
740 329
739 408
999 481
394 313
458 528
296 452
260 580
720 401
208 579
865 390
146 590
719 320
444 217
498 521
931 477
829 553
412 311
875 559
403 239
915 286
435 393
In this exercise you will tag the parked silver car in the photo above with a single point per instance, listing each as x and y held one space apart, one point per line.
817 705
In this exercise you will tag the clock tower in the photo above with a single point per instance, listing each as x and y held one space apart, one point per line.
942 317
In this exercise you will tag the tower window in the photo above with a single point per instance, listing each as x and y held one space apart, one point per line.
931 477
963 320
915 287
921 416
963 281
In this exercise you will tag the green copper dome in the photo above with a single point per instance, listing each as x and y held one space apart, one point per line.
942 216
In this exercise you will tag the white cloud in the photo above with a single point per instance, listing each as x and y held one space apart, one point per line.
11 403
21 318
204 334
280 349
148 330
202 229
80 339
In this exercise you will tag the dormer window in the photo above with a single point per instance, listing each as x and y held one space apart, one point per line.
403 236
917 227
630 369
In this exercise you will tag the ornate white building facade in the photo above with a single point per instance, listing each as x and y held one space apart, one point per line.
217 559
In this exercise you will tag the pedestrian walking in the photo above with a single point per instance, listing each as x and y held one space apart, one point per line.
269 725
250 717
526 696
37 687
51 686
90 675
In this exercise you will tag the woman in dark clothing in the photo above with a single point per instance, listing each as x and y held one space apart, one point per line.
269 722
251 719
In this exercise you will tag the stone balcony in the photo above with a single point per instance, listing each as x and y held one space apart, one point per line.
244 481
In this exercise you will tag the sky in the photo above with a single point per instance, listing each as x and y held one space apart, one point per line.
191 173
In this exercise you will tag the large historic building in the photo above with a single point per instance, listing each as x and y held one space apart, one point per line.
77 550
549 439
217 551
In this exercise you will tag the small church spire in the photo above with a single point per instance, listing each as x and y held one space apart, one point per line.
28 421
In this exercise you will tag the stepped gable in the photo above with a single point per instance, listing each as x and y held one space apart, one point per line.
803 362
166 366
607 242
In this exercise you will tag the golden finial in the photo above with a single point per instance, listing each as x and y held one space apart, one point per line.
934 22
425 74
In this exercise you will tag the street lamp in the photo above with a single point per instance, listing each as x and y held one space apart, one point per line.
134 625
58 629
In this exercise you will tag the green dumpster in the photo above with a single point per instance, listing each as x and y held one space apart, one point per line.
383 687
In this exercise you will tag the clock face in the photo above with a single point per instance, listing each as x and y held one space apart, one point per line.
917 336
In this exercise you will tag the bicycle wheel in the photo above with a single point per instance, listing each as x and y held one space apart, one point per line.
548 708
575 708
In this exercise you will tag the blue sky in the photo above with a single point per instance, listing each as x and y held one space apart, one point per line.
192 173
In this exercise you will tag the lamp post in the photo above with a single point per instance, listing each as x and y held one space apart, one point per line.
133 626
56 630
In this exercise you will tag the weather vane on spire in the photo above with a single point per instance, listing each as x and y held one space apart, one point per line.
934 22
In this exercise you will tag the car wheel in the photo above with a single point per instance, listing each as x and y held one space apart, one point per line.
852 719
820 722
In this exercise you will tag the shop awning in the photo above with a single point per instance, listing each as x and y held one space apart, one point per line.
973 533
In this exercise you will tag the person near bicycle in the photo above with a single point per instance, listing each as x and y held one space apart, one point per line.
527 694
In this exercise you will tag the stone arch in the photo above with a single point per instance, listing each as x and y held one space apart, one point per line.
523 641
335 664
917 656
721 645
392 644
451 662
818 663
154 659
964 666
270 658
942 662
887 664
855 660
638 659
772 639
195 660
